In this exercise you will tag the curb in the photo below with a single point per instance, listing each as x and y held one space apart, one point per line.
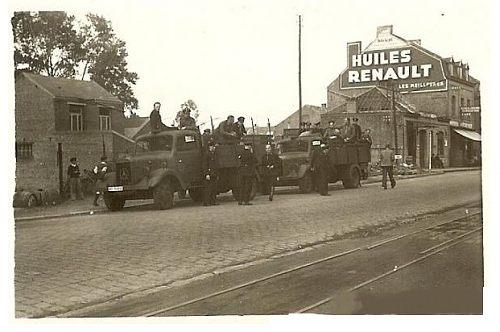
73 214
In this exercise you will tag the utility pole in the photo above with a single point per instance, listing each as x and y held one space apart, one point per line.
393 104
300 77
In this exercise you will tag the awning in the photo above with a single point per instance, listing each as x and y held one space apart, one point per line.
472 135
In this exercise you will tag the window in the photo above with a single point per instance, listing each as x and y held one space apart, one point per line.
75 117
104 119
186 143
24 150
459 72
450 67
462 102
468 102
453 105
440 143
156 143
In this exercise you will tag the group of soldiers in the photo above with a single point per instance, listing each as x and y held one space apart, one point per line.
270 169
347 132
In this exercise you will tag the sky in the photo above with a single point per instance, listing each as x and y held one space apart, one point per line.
241 57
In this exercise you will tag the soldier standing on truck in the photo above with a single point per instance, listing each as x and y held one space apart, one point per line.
248 161
225 131
271 169
186 121
239 127
348 131
210 166
320 168
357 129
330 131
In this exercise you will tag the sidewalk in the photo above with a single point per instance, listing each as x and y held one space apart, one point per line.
81 207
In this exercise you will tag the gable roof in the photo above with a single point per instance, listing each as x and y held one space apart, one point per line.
133 126
70 88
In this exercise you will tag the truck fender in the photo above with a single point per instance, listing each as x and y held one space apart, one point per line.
303 169
109 178
157 176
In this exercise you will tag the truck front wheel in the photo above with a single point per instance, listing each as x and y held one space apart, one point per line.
351 177
113 202
163 196
306 183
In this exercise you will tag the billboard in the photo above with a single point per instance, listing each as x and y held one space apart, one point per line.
409 68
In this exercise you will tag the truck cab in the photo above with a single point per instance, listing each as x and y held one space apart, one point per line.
162 164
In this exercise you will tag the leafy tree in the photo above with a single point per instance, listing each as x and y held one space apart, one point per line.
46 43
191 105
54 44
105 60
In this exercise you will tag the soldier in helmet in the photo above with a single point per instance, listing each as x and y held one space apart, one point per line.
271 169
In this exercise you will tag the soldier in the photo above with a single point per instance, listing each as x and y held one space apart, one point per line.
320 168
248 161
98 173
366 136
155 119
206 137
317 128
307 130
239 127
210 166
348 131
271 169
357 129
337 136
386 162
329 132
225 130
75 187
186 121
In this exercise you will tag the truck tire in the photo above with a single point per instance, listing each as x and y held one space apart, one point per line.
114 202
351 176
306 184
196 194
163 196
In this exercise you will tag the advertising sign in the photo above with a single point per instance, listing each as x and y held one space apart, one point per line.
411 69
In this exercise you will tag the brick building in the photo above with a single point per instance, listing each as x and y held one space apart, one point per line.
435 100
58 118
310 113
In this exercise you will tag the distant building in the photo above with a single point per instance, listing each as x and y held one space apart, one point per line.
310 113
437 101
58 118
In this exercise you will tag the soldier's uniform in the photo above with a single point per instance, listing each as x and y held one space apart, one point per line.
357 129
270 170
210 166
321 168
248 161
239 127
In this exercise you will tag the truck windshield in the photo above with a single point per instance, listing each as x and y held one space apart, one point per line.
293 146
157 143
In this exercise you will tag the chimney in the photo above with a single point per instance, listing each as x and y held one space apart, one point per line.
384 30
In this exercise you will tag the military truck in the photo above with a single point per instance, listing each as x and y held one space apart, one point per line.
169 162
348 162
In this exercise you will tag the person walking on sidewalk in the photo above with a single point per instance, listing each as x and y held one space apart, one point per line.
75 187
99 171
386 162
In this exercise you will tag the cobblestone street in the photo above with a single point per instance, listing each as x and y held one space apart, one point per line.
66 263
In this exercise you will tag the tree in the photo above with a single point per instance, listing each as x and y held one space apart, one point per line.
54 44
105 60
46 43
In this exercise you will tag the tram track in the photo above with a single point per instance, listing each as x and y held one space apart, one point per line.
447 227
